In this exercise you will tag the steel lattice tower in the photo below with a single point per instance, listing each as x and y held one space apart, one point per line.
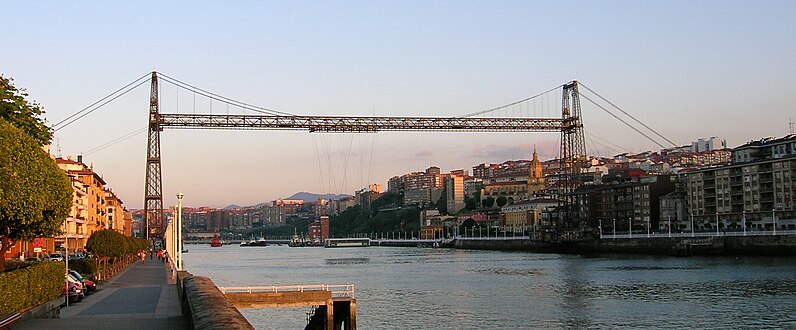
153 193
572 157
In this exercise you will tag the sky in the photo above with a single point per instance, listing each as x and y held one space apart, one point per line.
688 69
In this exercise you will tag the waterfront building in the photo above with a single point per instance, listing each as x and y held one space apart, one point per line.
114 212
395 184
454 188
526 213
708 144
421 197
628 201
95 192
472 186
519 190
752 193
128 223
318 230
674 211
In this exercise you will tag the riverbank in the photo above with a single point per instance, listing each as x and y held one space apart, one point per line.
673 246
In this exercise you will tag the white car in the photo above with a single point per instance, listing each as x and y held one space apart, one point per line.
56 257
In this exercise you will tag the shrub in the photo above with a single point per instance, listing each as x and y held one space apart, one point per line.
31 286
87 266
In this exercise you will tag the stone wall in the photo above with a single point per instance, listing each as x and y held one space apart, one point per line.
205 306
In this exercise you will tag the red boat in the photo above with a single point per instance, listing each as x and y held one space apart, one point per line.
215 242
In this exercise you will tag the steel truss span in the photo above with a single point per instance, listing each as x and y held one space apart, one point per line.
359 124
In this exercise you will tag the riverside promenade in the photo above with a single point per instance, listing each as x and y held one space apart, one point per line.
141 297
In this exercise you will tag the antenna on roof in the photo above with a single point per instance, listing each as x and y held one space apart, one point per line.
791 125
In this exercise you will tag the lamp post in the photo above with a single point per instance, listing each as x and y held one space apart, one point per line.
743 218
670 225
601 228
179 231
630 227
692 224
614 228
717 224
774 220
66 257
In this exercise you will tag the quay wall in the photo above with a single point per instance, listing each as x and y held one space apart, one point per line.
681 246
205 307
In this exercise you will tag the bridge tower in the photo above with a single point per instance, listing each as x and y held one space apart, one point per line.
153 192
572 156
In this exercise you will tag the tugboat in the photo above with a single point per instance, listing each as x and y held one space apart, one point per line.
215 242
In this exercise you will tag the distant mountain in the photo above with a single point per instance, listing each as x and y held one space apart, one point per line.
311 197
231 206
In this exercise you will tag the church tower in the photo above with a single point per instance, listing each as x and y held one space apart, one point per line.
536 167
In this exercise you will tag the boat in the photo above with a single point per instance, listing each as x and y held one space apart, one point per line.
259 242
346 242
215 242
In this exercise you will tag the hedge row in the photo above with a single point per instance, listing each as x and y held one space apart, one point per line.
31 286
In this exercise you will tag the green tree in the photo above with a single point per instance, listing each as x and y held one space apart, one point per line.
488 202
442 202
501 201
35 195
23 114
106 244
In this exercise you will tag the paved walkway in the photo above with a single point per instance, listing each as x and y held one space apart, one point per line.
140 297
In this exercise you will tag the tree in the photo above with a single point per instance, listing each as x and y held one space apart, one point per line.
488 202
21 113
470 203
501 201
35 195
107 244
442 202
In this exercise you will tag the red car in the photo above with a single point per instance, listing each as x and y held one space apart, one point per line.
89 285
75 294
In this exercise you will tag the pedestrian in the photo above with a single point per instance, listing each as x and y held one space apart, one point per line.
160 255
142 255
151 254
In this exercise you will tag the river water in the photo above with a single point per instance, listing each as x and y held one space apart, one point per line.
420 288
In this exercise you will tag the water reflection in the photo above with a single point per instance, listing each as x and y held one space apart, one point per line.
409 288
346 261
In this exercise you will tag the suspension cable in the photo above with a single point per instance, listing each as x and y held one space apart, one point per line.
115 141
223 99
623 121
629 115
105 100
508 105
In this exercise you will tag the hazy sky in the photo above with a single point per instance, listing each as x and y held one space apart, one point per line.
688 69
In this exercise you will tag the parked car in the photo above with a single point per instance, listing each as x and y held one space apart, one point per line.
32 259
89 285
56 257
72 291
82 289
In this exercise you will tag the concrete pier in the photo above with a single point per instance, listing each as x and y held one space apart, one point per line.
335 304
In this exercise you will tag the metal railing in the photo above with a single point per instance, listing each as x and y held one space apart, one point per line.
338 291
702 234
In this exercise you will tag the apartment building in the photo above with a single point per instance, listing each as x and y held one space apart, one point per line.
753 193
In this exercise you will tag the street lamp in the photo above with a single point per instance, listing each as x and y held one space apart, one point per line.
614 228
630 227
717 223
774 220
601 228
743 218
179 231
670 225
